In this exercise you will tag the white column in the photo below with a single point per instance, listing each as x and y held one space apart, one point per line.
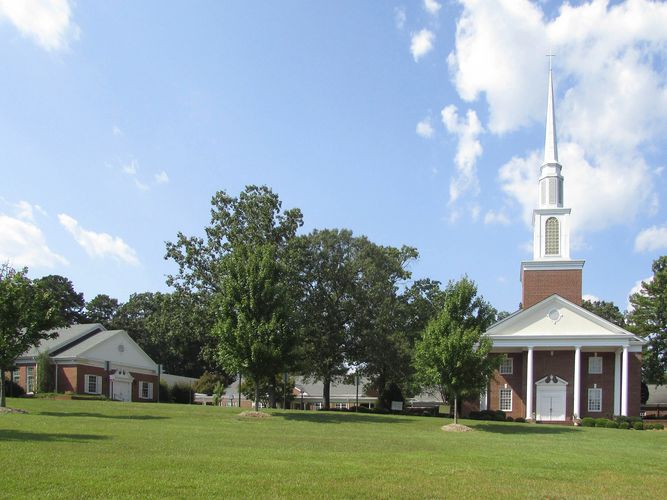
577 382
624 383
484 400
529 385
617 383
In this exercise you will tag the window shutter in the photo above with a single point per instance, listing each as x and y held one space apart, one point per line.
150 390
98 384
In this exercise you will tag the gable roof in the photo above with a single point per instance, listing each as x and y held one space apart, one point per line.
556 318
66 336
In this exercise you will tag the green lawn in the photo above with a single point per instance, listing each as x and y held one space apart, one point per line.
102 449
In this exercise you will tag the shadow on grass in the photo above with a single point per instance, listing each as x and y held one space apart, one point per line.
100 415
324 417
14 435
525 429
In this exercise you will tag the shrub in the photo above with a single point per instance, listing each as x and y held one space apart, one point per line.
520 420
165 396
45 380
12 389
588 422
206 384
630 420
601 422
638 426
649 427
624 425
611 424
180 393
659 426
510 419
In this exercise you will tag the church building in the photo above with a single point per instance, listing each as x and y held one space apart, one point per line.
560 362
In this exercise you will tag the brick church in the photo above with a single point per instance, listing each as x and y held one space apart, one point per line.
559 361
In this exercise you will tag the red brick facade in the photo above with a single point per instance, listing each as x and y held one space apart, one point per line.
538 285
561 364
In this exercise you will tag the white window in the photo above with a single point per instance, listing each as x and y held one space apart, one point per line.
317 405
93 384
30 379
507 366
341 406
145 390
551 237
594 399
16 376
506 399
595 364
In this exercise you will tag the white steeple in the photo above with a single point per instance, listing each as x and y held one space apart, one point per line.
551 223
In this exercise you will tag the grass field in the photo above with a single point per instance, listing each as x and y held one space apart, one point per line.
82 449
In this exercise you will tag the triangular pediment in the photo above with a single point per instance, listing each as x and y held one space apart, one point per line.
556 317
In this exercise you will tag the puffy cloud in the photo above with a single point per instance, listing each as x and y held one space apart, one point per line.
637 288
468 150
48 22
421 43
610 109
432 7
425 129
651 239
130 168
22 243
99 244
116 131
590 298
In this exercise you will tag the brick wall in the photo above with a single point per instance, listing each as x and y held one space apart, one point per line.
515 381
634 383
604 381
538 285
142 377
83 370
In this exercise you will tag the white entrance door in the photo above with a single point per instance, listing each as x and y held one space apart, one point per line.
551 404
122 391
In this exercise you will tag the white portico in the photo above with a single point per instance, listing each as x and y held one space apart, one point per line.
564 361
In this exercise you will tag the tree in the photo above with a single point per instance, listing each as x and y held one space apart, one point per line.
453 354
328 273
381 343
606 310
102 309
648 318
62 290
253 311
28 311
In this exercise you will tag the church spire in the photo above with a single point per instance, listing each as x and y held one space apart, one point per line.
550 146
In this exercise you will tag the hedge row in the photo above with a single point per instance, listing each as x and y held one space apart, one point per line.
621 423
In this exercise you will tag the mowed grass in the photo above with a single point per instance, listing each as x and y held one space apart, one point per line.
83 449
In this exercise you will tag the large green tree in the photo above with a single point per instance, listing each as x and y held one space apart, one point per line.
70 302
102 309
648 318
253 313
606 310
453 355
326 262
252 225
28 310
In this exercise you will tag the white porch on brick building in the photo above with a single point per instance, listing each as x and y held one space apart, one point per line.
563 362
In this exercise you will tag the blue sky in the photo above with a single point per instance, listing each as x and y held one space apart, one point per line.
417 123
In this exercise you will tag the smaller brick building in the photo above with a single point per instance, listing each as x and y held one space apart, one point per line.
89 359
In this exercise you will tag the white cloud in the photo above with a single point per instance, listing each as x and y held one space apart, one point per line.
432 7
651 239
400 17
99 244
610 108
492 217
22 243
161 177
590 298
116 131
425 129
140 185
421 43
468 150
47 22
130 168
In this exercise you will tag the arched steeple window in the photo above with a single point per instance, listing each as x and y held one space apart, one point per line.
552 237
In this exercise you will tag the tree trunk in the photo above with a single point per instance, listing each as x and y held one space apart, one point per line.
456 409
256 395
327 392
2 388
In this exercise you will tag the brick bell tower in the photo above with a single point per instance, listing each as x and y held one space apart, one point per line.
551 271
